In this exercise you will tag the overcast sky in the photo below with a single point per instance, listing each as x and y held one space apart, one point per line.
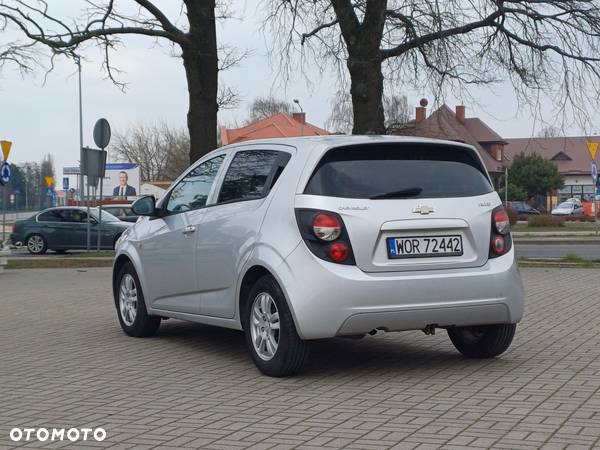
43 118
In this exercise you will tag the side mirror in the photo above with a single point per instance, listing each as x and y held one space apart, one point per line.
145 206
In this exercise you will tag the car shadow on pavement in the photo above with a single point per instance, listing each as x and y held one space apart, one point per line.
399 352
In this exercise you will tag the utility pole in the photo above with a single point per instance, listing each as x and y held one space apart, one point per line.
505 186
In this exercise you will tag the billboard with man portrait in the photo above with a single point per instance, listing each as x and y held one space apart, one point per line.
122 180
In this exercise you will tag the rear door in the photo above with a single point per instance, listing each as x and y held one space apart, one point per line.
407 206
52 227
231 226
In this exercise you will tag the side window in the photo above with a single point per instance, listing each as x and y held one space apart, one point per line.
192 191
51 216
74 215
251 174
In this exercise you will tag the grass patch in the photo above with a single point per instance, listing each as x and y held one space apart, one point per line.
58 263
92 254
572 257
579 263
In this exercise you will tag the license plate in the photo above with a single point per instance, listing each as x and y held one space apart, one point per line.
424 246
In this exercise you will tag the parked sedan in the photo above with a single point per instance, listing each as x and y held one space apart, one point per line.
65 228
122 212
568 209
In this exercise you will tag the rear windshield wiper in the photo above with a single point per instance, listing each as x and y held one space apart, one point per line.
404 193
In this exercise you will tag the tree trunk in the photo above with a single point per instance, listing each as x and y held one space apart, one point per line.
201 69
366 89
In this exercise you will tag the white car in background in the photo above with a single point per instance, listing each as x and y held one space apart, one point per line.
298 239
568 208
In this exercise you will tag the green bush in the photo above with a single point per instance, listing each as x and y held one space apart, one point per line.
545 221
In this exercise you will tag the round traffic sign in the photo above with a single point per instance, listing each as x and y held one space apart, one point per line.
102 133
4 173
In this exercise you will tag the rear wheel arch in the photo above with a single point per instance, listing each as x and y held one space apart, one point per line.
252 275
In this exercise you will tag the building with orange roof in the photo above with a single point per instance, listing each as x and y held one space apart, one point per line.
277 125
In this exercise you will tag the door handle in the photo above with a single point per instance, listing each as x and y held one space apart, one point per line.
189 229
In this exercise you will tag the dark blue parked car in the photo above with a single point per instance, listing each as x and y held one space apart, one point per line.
65 228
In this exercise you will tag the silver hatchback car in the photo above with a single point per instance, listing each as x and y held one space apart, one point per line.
308 238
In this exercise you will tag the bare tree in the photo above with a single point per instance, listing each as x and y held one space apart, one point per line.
263 107
396 111
547 46
192 35
549 131
160 151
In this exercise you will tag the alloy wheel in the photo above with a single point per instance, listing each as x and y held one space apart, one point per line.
128 299
265 326
35 244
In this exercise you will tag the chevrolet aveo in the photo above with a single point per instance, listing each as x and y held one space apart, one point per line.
297 239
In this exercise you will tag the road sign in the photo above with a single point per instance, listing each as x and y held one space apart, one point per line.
66 183
102 133
4 173
594 172
49 181
72 191
592 149
6 145
71 170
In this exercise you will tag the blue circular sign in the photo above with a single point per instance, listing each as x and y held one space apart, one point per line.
4 173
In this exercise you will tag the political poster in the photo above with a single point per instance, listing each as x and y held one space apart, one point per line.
121 180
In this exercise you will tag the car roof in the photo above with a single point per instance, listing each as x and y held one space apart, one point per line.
318 142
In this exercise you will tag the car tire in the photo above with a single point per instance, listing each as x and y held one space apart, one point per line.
484 341
131 308
36 244
270 332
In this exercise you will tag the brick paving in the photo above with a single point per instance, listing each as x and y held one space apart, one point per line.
65 363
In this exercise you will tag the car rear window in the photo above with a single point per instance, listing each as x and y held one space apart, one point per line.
399 171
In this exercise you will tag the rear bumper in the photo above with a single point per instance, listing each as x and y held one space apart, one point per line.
16 238
329 299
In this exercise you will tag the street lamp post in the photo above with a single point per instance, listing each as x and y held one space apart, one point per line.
297 102
80 177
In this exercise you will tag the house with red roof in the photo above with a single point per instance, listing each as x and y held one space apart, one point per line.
277 125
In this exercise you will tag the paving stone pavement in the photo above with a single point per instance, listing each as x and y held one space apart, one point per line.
65 363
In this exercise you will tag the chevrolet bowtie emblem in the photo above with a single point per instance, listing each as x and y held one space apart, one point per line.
424 210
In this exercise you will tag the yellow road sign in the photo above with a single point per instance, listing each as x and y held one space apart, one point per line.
5 148
592 149
49 181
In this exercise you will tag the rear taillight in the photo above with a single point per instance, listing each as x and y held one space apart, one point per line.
327 227
501 221
500 239
325 235
14 228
